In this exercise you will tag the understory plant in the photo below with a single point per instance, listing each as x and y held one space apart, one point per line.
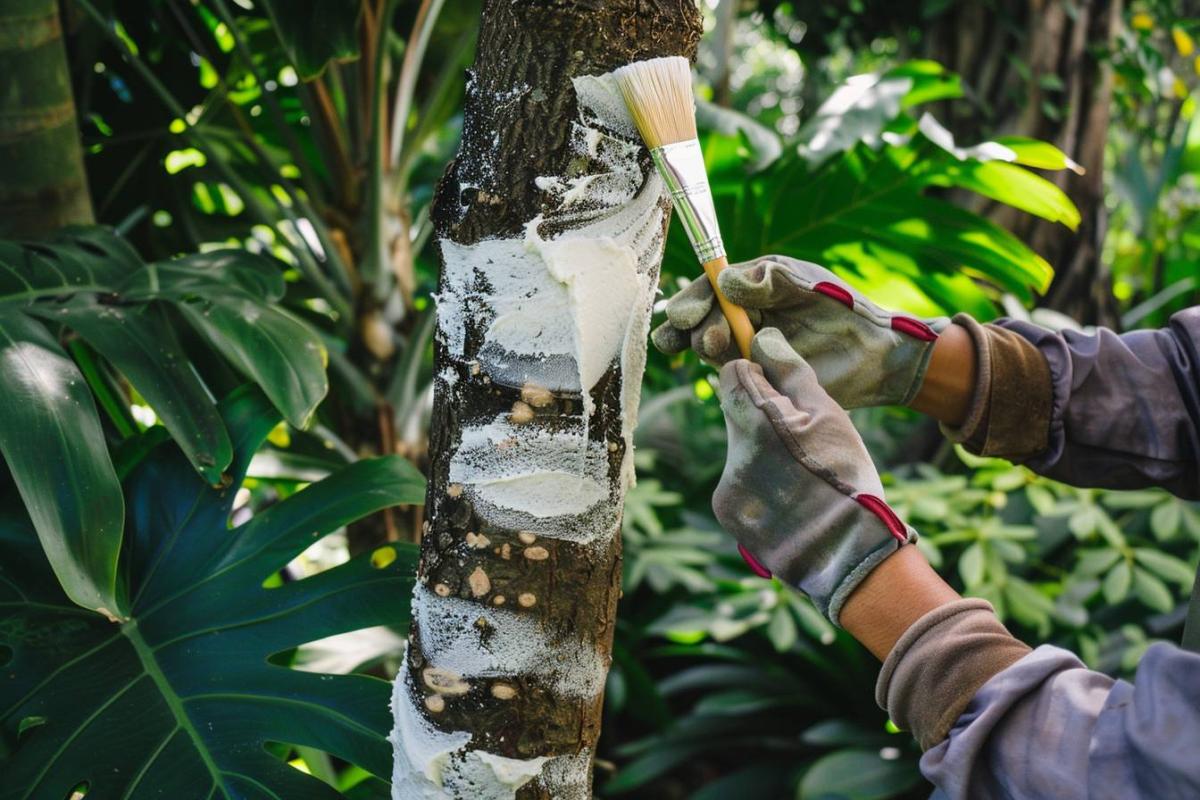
192 693
81 315
725 684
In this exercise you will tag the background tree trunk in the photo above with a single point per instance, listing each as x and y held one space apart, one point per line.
533 611
1038 68
42 182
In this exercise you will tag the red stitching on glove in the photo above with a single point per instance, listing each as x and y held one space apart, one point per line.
752 562
885 513
914 328
836 292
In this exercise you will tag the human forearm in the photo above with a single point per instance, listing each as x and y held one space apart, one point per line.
991 390
1125 408
895 595
950 378
937 648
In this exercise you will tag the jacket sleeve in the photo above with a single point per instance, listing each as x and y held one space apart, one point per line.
1103 410
1046 726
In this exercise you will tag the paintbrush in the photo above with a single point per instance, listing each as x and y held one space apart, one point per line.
658 93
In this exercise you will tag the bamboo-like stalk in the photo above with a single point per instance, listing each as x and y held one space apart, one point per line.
43 185
414 55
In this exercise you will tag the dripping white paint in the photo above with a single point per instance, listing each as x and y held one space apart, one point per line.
558 308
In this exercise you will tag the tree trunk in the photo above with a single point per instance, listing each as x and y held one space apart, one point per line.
42 182
551 224
1062 94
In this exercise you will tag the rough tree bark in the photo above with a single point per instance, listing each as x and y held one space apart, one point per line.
522 717
1063 46
42 182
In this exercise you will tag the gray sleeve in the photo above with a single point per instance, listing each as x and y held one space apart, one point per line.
1049 727
1126 408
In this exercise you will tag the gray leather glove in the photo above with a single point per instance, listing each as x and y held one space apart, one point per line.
799 491
862 354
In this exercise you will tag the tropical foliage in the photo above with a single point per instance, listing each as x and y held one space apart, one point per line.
219 445
121 318
857 191
192 692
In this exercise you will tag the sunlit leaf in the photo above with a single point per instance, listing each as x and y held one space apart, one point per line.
54 447
971 565
1166 566
323 31
1152 591
1117 582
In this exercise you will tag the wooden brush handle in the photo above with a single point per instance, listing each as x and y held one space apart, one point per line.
739 323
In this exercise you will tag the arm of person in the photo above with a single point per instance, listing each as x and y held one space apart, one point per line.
1101 409
1089 409
802 497
998 720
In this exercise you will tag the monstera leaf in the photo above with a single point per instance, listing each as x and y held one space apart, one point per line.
182 699
89 284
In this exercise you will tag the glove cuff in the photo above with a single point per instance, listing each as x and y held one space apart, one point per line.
938 665
1009 415
901 534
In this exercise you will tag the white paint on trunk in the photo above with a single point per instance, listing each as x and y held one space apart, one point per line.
558 307
554 484
421 750
430 764
475 641
569 777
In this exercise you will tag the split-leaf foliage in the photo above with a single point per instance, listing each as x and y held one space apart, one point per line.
187 695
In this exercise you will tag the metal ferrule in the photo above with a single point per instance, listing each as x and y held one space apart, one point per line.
682 167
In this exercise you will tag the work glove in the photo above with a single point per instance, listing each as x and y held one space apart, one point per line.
799 491
862 354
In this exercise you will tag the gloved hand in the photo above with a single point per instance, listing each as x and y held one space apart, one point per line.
799 491
863 355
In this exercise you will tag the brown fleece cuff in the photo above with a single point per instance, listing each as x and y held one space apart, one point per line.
1010 409
939 664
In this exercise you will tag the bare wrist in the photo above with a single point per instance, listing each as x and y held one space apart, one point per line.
950 379
895 595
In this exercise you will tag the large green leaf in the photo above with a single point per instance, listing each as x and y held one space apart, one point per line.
317 32
232 301
868 204
141 343
857 775
181 700
74 260
863 107
51 440
198 275
859 195
91 281
877 199
1015 186
277 351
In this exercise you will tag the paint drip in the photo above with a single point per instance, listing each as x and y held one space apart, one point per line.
559 308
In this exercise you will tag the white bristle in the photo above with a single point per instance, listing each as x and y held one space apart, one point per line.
659 95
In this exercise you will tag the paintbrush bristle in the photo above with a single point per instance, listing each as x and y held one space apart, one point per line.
658 93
